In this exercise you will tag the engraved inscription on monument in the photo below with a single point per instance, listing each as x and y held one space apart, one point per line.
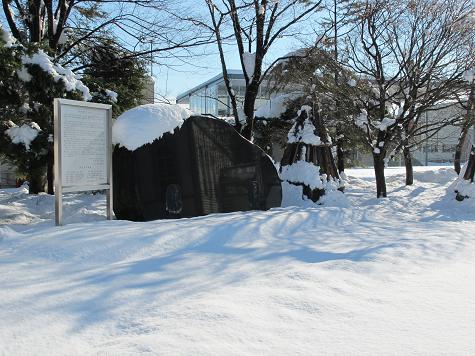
84 146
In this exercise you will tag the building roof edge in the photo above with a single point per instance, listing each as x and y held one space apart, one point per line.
232 73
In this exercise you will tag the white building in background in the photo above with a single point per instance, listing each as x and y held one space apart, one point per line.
437 149
440 148
211 97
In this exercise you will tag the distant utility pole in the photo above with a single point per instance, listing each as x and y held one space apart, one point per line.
151 58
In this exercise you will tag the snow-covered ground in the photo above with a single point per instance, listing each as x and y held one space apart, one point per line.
393 276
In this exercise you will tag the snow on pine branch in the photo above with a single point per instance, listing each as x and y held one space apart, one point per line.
7 37
112 95
71 81
23 134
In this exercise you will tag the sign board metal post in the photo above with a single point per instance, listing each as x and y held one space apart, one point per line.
82 150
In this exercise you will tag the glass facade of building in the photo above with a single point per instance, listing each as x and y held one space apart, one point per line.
212 97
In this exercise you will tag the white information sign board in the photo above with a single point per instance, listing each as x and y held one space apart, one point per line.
82 150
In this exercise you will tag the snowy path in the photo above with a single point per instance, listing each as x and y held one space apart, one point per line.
390 276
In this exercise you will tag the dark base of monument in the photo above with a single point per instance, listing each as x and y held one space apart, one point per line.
204 167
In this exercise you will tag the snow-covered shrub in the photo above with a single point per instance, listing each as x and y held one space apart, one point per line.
29 81
308 162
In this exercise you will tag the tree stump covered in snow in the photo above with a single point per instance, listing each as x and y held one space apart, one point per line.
192 167
308 160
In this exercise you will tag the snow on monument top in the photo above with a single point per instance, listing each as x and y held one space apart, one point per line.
146 123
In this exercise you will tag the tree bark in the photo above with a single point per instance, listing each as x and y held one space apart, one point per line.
409 166
469 121
378 160
340 154
457 158
469 174
36 180
50 174
459 147
249 102
470 170
329 166
11 21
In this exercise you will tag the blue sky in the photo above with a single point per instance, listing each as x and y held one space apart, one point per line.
202 68
175 76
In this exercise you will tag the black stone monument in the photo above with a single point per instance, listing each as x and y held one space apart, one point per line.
204 167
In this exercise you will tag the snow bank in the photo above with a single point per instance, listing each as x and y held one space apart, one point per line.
463 187
387 276
23 134
146 123
302 172
334 198
441 175
292 195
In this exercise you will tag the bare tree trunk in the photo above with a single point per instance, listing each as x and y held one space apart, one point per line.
36 180
459 147
340 154
469 174
50 173
409 167
469 121
457 157
379 174
249 102
470 170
